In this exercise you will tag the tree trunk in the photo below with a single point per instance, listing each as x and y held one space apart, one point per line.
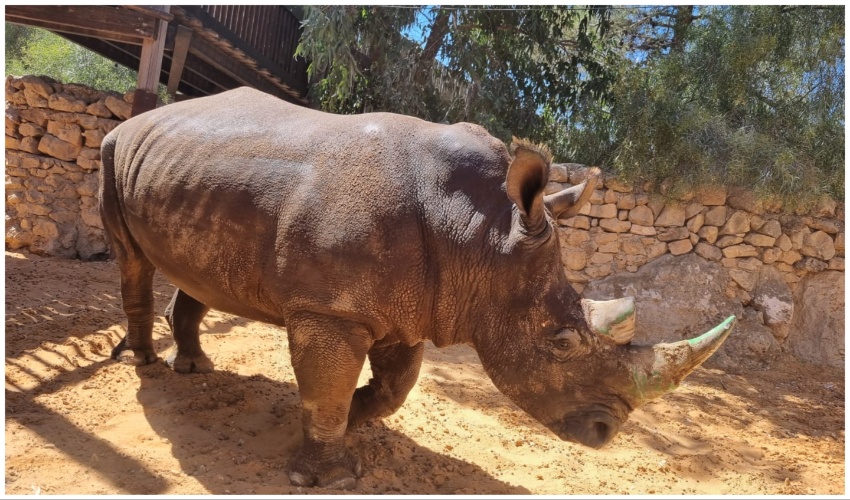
684 18
432 46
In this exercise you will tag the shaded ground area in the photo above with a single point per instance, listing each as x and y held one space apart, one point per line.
78 423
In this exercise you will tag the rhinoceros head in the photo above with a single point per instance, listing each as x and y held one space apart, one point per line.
569 362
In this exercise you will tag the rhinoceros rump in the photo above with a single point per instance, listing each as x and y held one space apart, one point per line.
366 236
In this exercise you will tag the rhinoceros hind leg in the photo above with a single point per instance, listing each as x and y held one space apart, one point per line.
184 315
136 348
395 369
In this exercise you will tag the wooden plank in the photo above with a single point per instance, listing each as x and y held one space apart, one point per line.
62 29
291 42
124 54
239 25
251 25
106 22
279 30
262 41
282 43
182 40
227 16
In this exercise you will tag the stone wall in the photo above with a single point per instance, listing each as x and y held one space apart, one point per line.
622 228
53 134
690 261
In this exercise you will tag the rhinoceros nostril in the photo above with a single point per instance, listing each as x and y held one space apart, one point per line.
594 431
604 432
601 429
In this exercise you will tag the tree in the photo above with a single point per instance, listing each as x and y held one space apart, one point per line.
499 67
39 52
741 95
680 95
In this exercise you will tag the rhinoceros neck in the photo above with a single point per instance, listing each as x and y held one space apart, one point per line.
459 303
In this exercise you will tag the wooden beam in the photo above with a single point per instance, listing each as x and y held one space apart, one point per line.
203 78
111 23
198 77
152 12
243 75
150 65
208 21
182 40
58 28
196 73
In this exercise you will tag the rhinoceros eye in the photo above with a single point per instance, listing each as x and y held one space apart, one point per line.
566 343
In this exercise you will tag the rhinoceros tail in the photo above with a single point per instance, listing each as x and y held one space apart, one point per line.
109 202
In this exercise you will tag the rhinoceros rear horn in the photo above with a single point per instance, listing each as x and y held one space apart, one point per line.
612 320
673 362
568 202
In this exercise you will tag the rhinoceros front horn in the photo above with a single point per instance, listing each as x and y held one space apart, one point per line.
670 363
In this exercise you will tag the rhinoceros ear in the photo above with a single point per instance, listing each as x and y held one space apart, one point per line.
526 180
611 319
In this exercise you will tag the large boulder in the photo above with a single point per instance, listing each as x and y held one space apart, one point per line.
817 330
91 243
677 297
752 346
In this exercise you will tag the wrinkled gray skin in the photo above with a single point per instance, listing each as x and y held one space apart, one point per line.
364 236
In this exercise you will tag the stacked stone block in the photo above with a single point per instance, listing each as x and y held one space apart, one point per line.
54 131
623 228
53 136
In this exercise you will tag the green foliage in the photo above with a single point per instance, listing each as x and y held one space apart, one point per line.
754 98
740 95
31 51
492 67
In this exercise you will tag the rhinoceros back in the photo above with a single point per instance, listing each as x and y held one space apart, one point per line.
256 207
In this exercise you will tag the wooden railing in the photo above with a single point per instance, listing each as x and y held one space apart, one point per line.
273 30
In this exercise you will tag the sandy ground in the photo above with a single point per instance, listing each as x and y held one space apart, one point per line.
79 423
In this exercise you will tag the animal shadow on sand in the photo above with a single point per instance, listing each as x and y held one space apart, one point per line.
236 434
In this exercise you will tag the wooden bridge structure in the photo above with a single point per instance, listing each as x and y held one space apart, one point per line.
194 50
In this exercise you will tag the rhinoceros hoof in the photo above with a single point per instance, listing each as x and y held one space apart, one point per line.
342 476
184 363
135 357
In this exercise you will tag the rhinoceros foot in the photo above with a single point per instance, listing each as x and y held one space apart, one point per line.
339 473
134 357
186 363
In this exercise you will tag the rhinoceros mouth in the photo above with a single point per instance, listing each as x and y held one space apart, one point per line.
593 429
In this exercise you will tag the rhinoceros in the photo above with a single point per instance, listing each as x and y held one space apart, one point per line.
366 236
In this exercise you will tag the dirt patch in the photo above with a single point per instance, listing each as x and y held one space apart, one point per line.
79 423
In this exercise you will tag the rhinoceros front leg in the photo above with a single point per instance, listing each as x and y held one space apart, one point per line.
184 315
327 356
395 369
